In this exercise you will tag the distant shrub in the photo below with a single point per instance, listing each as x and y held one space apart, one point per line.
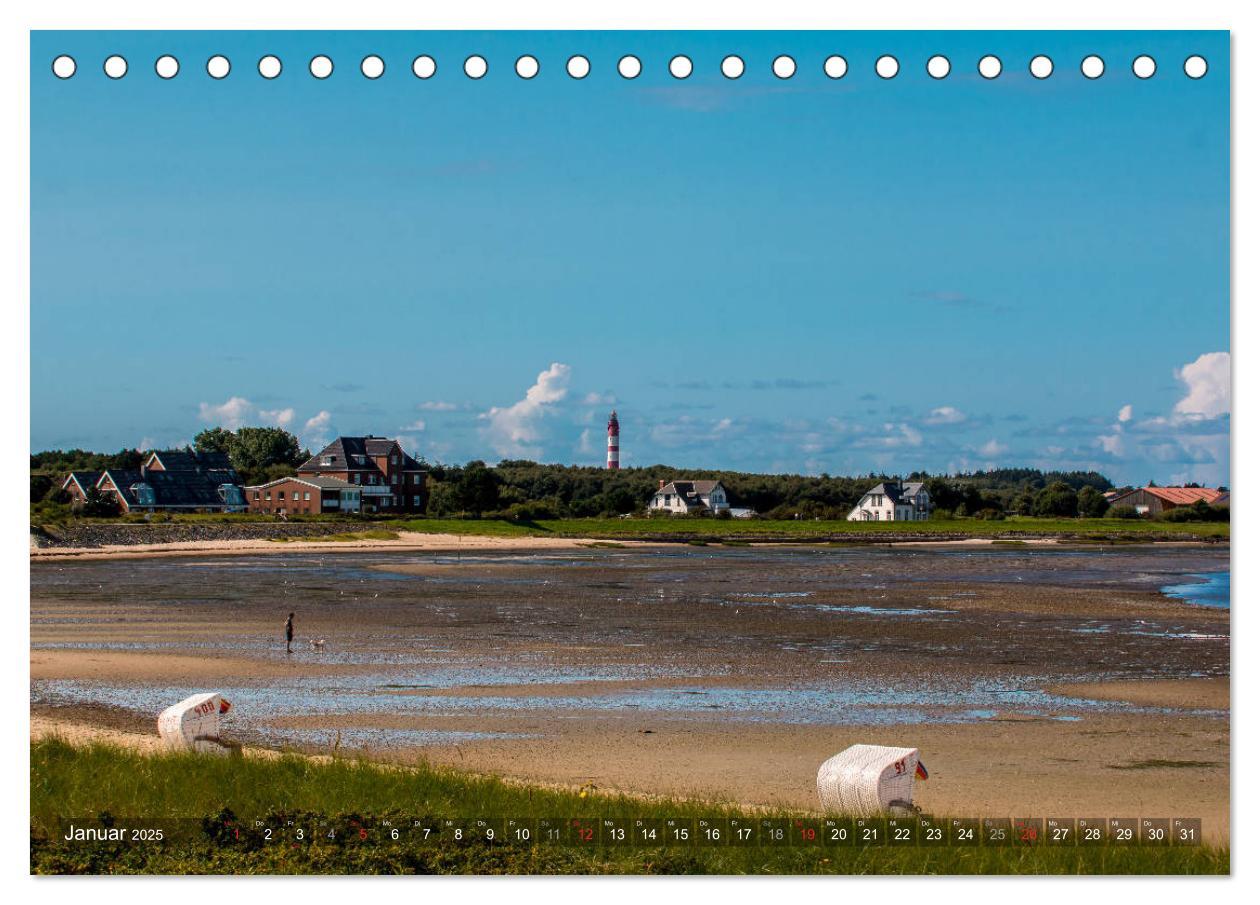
1200 511
1122 512
540 510
990 515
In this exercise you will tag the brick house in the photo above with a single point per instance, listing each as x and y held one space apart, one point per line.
361 474
305 496
167 481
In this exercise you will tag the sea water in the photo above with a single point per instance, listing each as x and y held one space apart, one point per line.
1210 589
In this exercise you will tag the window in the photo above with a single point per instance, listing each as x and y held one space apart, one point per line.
257 495
327 460
268 494
355 477
306 496
415 501
393 479
393 460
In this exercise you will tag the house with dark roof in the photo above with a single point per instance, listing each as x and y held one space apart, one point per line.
688 497
1150 500
894 501
384 477
169 480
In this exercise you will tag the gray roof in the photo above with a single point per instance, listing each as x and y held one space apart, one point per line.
894 491
344 449
324 483
686 488
170 488
191 460
85 479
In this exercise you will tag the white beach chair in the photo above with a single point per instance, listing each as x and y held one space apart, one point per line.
866 780
193 724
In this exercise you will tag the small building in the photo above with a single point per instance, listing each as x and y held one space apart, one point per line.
687 497
388 479
167 481
894 502
1152 500
301 495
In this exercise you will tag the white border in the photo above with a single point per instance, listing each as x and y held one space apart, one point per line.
654 14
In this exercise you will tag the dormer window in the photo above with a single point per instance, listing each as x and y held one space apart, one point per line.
327 460
144 494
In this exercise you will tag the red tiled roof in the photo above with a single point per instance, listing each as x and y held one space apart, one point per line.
1183 496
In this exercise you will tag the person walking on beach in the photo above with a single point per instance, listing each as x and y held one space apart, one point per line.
288 634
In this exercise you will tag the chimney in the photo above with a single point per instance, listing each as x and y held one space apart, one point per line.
661 486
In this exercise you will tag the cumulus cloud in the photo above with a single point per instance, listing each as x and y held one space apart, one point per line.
946 414
231 414
515 430
1126 414
278 417
992 449
599 399
1207 386
315 430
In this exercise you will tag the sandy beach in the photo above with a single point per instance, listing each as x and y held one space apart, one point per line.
1037 681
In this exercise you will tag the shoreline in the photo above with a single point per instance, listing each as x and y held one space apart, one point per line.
422 542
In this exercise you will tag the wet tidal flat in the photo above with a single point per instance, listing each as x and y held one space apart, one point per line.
722 673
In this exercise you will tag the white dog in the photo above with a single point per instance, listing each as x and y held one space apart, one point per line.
317 644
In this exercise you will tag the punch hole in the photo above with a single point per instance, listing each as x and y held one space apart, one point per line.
166 66
732 66
578 67
835 66
423 66
372 66
990 67
270 66
476 66
680 67
629 67
1195 66
1041 67
887 67
321 66
1092 67
218 66
938 66
64 66
527 66
1144 66
115 66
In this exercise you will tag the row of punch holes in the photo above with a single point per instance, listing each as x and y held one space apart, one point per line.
630 67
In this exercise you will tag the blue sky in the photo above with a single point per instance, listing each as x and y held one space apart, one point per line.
800 275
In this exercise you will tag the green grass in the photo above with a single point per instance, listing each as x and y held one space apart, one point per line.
81 782
343 537
685 529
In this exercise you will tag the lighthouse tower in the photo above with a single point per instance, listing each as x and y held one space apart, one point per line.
614 442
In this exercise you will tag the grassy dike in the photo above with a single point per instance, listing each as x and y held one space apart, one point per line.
68 781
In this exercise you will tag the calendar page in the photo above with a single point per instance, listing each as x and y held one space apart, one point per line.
629 452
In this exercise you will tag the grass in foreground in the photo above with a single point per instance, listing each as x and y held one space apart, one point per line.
71 781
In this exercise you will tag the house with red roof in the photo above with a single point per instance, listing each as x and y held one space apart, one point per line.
1152 500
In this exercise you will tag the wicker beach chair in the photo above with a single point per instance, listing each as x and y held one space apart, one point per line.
193 725
866 780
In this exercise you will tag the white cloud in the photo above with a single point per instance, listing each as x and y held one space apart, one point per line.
599 399
514 431
145 444
438 406
417 425
231 414
1207 386
946 414
1112 444
1126 414
315 430
584 442
278 417
992 449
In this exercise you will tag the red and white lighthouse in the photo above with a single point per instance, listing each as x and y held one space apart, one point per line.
614 442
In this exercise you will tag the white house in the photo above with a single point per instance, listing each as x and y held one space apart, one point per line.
690 496
889 502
